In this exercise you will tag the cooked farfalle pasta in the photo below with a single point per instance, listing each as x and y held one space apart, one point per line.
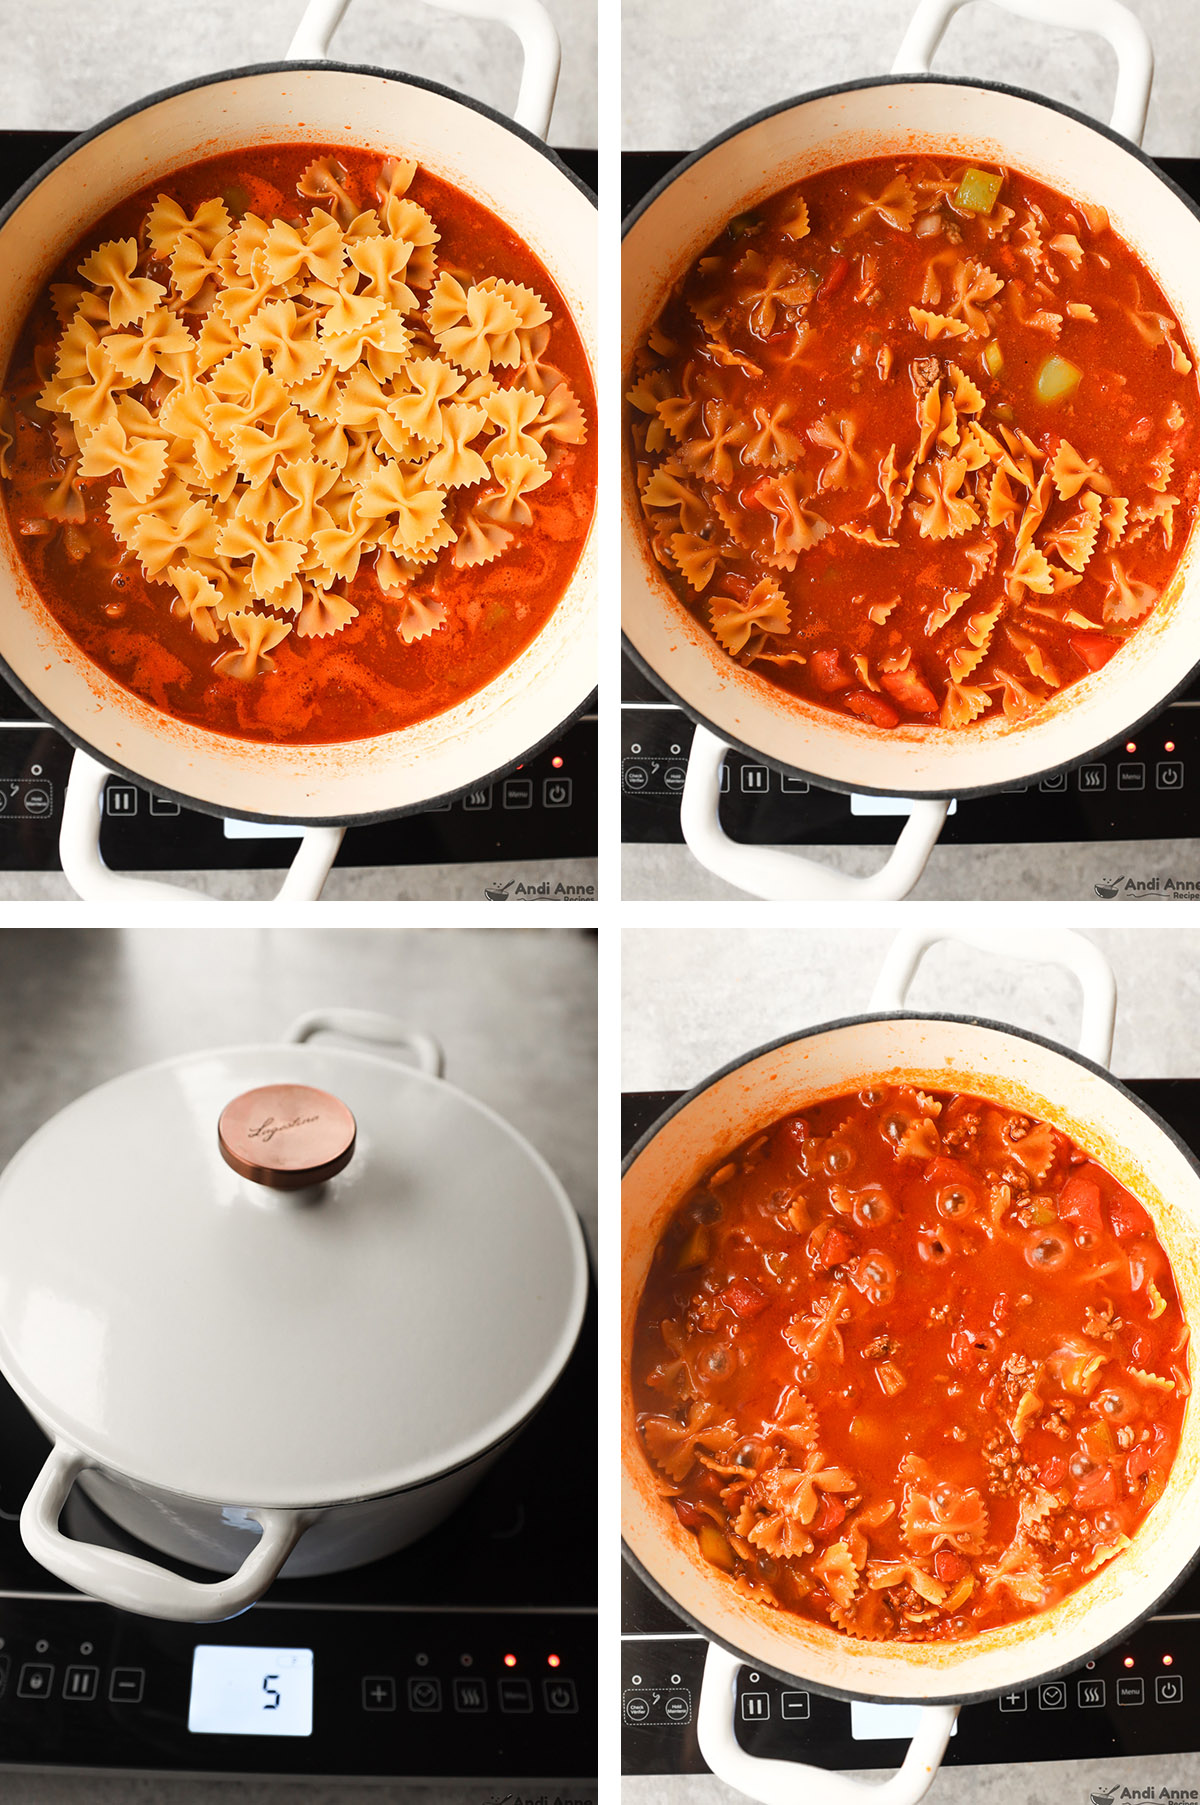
260 408
887 387
909 1364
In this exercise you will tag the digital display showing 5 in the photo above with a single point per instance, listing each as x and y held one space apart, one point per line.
251 1691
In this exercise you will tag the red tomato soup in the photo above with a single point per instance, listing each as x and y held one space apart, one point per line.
297 444
917 441
910 1365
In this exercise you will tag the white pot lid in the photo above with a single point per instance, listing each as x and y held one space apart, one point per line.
198 1331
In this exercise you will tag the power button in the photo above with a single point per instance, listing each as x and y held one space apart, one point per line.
556 792
560 1695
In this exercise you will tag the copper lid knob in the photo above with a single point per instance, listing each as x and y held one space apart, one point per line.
287 1136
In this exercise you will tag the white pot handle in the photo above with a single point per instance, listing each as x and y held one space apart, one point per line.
795 1782
1107 18
1052 946
777 875
527 18
92 881
129 1583
377 1030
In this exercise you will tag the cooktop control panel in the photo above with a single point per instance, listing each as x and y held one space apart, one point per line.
285 1691
543 809
1139 1700
1148 788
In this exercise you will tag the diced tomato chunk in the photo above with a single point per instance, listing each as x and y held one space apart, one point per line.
872 708
833 1512
1079 1201
752 494
828 670
1096 1489
1053 1472
745 1299
1127 1216
839 269
689 1514
1138 1461
833 1251
910 689
949 1565
1094 648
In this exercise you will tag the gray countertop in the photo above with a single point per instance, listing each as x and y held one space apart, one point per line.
676 1030
515 1011
797 45
67 66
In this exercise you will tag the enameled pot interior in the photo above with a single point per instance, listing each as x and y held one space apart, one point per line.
1020 1073
546 684
905 117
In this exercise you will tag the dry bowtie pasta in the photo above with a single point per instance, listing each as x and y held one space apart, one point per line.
285 416
917 441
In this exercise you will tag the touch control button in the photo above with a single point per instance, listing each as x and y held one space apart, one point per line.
518 792
756 780
470 1695
81 1683
424 1695
1131 777
755 1706
1055 783
1091 1694
1131 1691
1053 1697
1014 1701
556 792
515 1695
127 1685
794 1704
36 1679
1168 1689
1168 774
1093 778
379 1692
560 1695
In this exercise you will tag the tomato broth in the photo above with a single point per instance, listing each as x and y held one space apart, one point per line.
384 668
910 1365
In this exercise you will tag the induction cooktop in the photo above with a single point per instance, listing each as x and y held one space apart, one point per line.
1147 788
1139 1699
544 809
470 1655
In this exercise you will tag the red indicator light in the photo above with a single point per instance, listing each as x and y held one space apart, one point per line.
558 763
1129 1660
552 1661
1168 1660
1170 746
510 1660
1130 746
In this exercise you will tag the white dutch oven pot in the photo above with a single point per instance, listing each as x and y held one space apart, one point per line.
907 113
1021 1071
290 1344
501 162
